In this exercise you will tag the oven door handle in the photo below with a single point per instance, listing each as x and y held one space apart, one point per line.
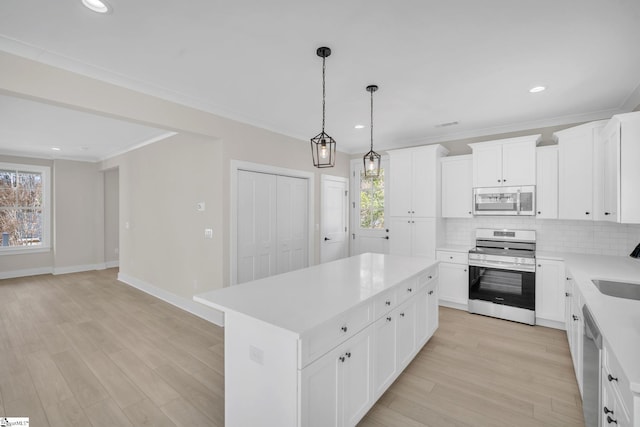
503 266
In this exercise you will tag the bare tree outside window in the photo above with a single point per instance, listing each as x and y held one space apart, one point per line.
372 201
21 208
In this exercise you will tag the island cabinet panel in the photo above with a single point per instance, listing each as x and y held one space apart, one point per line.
317 347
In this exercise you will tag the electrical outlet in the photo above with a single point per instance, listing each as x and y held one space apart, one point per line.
208 233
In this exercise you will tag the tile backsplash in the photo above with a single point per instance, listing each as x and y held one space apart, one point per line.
553 235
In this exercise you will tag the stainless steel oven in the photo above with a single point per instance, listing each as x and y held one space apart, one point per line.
502 275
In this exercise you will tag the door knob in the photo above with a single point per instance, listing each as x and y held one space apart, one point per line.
326 238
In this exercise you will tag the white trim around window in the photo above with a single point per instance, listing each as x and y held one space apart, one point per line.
45 172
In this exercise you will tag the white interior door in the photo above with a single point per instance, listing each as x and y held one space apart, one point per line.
292 219
369 232
256 242
334 218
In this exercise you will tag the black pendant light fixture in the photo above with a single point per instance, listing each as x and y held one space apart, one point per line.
371 159
323 147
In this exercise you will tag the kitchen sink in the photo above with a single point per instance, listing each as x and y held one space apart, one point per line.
618 289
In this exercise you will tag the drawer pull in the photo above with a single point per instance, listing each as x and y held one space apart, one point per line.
567 294
344 329
607 411
450 257
401 314
348 354
430 277
574 317
612 378
387 303
388 319
409 290
430 292
611 420
341 359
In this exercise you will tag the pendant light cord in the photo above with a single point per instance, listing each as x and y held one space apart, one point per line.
323 92
371 120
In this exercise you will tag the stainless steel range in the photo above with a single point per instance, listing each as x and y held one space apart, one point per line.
502 275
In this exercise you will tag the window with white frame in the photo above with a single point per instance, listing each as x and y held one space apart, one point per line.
24 207
372 201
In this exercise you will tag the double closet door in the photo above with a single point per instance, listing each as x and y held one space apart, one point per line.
272 224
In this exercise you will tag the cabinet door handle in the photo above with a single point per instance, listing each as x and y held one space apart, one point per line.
539 265
401 314
607 411
576 318
450 257
568 278
387 303
409 290
430 292
499 180
607 213
586 213
344 329
389 319
341 359
348 354
408 212
465 270
539 212
611 378
567 294
611 420
430 277
326 238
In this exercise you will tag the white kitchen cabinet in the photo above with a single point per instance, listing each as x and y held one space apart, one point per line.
576 170
406 333
574 325
457 183
550 293
506 162
412 236
414 181
547 182
615 391
619 144
337 387
427 312
453 278
385 360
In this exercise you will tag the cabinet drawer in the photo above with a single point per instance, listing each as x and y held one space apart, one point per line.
453 257
615 377
323 338
407 289
384 303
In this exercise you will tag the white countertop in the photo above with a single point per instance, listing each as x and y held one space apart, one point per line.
300 300
617 318
454 248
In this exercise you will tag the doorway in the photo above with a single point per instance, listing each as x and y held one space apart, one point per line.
369 228
334 243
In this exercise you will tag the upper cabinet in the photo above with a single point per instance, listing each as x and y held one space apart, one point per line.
414 183
457 182
619 145
576 171
507 162
547 182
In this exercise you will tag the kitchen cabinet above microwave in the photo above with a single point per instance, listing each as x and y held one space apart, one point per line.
506 162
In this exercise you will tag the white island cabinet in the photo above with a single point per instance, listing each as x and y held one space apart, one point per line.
318 346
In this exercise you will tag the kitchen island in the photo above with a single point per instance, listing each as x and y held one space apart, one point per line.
318 346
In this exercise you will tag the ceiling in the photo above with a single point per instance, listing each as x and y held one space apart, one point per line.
435 62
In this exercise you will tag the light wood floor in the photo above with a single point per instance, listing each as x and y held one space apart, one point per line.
85 350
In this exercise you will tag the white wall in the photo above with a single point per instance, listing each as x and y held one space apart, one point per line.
111 217
554 235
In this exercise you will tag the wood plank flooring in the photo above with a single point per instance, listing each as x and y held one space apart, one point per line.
86 350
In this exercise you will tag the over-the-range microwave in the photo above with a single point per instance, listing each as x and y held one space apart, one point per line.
505 200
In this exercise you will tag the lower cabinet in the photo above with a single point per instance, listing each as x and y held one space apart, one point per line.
575 325
405 333
427 313
550 293
336 389
454 279
614 409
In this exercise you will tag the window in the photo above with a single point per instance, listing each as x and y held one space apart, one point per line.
24 207
372 201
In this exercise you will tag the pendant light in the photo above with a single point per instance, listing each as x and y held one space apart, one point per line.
371 159
323 147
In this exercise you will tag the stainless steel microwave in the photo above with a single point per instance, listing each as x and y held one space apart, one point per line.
505 200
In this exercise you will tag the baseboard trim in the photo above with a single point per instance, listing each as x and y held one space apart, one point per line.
26 272
112 264
456 305
197 309
550 323
78 268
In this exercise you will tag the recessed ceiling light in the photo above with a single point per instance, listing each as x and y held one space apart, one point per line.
56 148
99 6
359 126
537 89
